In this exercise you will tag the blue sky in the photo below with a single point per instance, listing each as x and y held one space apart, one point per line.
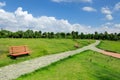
61 15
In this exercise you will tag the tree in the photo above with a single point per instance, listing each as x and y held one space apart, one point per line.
4 33
19 34
106 36
115 37
44 35
29 34
96 35
52 34
82 36
62 34
68 35
57 35
37 34
73 34
118 36
101 36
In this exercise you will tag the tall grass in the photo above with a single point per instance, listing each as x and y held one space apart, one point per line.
113 46
87 65
38 47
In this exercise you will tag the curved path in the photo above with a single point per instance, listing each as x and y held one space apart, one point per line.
15 70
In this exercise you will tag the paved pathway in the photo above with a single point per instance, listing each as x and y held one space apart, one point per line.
15 70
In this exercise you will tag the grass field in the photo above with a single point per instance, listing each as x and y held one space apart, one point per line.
110 46
87 65
39 47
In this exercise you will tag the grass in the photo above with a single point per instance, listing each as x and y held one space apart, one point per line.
113 46
87 65
39 47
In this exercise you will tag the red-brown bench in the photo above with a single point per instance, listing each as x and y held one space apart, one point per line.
76 45
18 50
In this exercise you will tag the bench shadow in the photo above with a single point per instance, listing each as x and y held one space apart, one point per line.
14 57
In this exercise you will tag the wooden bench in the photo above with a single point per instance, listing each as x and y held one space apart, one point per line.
18 50
76 45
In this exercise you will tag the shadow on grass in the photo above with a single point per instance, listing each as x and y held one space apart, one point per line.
14 57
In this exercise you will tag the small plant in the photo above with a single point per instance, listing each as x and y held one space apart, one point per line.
90 60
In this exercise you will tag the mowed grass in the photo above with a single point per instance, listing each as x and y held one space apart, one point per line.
113 46
87 65
38 47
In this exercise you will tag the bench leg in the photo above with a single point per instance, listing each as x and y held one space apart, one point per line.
13 57
28 54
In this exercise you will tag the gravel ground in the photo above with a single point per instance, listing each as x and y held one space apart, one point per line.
15 70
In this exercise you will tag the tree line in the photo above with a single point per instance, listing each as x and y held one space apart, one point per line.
71 35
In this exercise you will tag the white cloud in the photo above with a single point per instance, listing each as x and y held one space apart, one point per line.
117 26
107 12
109 17
89 9
111 27
22 20
2 4
117 6
58 1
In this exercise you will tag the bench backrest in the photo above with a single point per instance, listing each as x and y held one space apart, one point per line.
18 49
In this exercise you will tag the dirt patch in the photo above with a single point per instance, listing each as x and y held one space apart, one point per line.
113 54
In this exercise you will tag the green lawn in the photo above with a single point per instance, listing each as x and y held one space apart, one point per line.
87 65
110 46
39 47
